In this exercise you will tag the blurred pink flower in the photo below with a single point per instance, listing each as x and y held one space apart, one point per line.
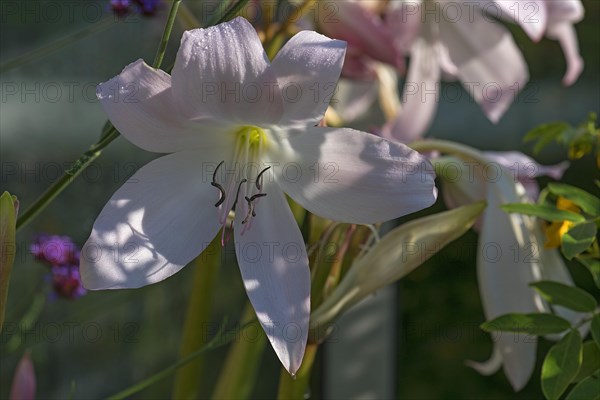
24 381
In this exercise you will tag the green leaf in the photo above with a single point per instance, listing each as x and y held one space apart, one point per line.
567 296
578 239
593 265
591 360
589 203
534 324
9 207
549 213
595 329
545 134
561 365
587 389
549 129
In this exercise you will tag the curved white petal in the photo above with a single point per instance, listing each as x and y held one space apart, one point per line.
420 95
274 266
308 68
490 366
489 64
140 105
354 177
156 223
525 169
222 72
532 15
506 264
567 37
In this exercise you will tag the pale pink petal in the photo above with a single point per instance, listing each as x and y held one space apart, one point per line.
274 266
420 95
362 29
404 20
488 62
355 177
308 68
532 15
525 169
222 72
157 222
565 33
140 105
24 381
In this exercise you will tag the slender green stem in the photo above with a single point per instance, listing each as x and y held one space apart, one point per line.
164 41
230 13
187 380
109 135
218 341
86 159
49 48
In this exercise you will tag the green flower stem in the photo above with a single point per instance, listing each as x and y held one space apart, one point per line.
164 41
50 48
207 265
448 147
294 388
68 177
238 375
218 341
109 135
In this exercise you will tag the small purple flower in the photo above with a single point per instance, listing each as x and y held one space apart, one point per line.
148 7
62 256
66 282
55 250
120 7
124 7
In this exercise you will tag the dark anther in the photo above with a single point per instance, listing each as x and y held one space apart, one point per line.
238 193
250 201
258 178
218 185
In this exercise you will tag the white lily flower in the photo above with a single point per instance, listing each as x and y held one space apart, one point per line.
242 132
510 255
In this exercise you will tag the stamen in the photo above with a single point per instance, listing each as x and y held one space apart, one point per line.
250 201
259 178
238 193
218 185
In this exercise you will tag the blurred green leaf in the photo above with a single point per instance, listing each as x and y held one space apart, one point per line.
584 200
9 207
578 239
595 328
561 365
587 389
593 265
549 213
545 134
534 324
590 361
567 296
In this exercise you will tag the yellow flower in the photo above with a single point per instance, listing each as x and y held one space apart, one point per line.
556 230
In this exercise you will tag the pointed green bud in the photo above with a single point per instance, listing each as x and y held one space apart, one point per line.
396 255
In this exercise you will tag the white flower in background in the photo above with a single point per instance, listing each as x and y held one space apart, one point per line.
510 254
241 132
455 39
447 39
551 18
